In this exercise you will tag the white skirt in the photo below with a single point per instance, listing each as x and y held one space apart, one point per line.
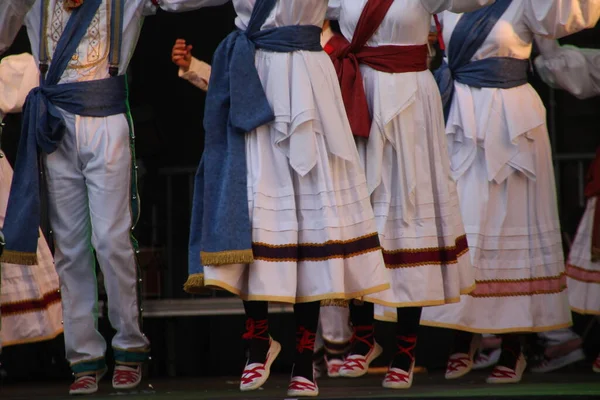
508 203
583 274
314 233
29 294
413 194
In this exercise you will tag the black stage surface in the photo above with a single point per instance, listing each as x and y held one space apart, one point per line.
572 384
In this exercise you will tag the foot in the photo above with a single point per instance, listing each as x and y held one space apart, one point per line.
502 374
356 365
86 384
302 387
333 367
486 358
127 377
552 364
256 374
460 364
596 366
397 378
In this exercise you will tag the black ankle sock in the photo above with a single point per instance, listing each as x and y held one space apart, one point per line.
257 330
462 342
511 350
362 324
307 320
336 351
407 329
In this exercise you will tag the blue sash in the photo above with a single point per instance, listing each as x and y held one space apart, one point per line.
236 104
43 129
469 34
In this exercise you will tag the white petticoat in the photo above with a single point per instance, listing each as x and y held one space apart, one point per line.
413 194
503 165
29 294
583 274
314 234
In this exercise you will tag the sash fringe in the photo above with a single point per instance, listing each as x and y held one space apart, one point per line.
195 284
226 257
18 257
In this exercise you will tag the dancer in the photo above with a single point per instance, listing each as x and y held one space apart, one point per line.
30 297
577 71
500 156
396 116
190 68
79 119
333 334
310 234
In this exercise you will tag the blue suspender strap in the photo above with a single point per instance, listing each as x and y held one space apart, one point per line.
117 10
43 56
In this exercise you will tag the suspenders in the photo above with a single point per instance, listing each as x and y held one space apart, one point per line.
116 37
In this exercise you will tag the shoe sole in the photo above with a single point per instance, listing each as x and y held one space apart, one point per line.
300 393
82 392
376 352
571 358
400 386
475 343
521 366
276 348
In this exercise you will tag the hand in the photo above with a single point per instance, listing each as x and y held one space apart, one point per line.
432 38
181 55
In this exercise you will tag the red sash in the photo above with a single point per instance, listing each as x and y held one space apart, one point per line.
348 56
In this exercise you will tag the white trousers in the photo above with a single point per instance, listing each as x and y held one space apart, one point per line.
558 336
334 331
93 205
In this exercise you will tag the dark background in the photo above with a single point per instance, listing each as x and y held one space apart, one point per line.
167 113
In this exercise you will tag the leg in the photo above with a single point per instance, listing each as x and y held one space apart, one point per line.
562 347
460 362
105 151
488 353
257 327
74 261
336 330
407 329
400 373
307 320
361 316
337 334
511 363
263 350
364 348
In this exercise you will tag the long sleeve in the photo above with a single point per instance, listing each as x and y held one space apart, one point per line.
569 68
198 74
188 5
457 6
18 75
559 18
12 16
333 10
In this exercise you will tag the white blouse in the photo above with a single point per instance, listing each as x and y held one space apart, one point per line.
569 68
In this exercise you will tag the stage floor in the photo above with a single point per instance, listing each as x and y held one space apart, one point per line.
574 384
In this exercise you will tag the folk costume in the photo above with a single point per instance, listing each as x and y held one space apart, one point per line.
577 71
500 156
29 294
396 116
278 144
333 333
78 121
